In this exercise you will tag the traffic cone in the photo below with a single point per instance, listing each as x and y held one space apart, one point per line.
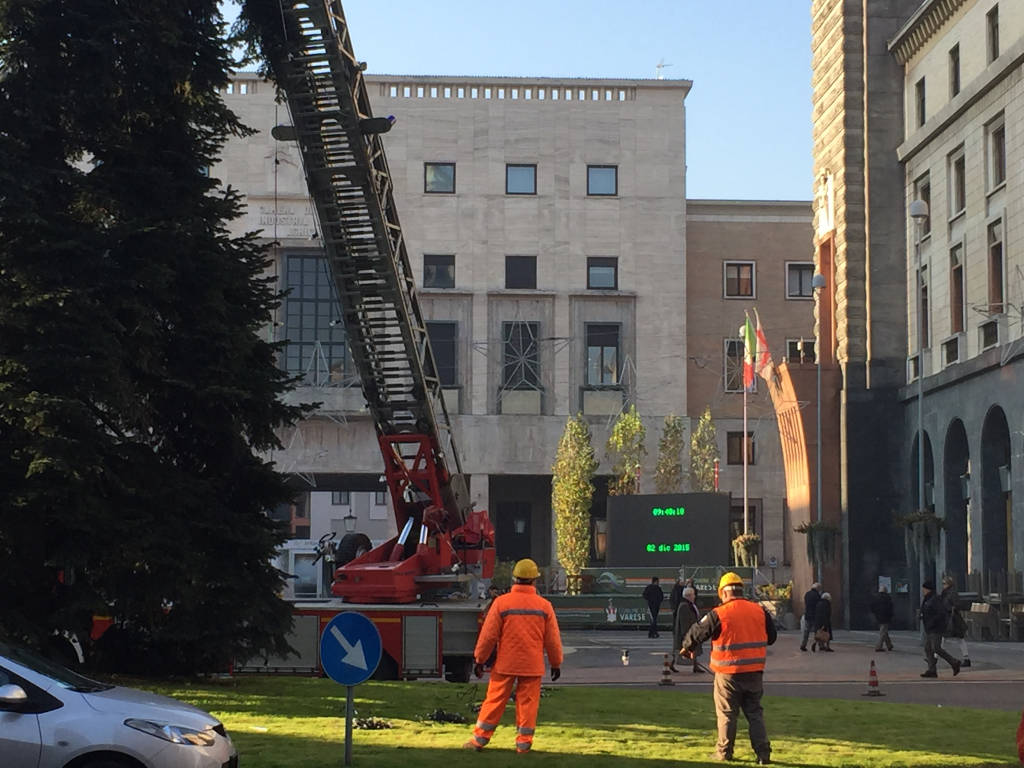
873 682
666 674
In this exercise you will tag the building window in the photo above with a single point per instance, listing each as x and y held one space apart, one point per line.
800 350
443 343
734 448
733 371
996 151
753 518
992 27
602 354
520 179
438 270
956 288
995 267
957 183
919 101
603 180
520 271
340 498
923 192
439 178
602 272
522 359
380 498
922 280
315 344
954 70
799 276
739 279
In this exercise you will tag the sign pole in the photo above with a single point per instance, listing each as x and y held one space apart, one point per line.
349 711
350 650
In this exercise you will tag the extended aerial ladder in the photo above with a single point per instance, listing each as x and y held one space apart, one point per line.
441 538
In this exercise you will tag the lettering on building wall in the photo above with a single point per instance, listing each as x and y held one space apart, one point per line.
292 220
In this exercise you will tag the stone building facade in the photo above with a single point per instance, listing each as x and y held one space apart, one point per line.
962 154
740 256
910 102
549 230
546 222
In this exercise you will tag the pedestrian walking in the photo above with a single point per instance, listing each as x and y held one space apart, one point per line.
687 615
956 625
653 595
811 598
675 597
522 625
740 632
823 623
883 611
934 617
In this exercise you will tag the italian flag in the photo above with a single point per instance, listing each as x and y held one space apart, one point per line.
756 357
749 337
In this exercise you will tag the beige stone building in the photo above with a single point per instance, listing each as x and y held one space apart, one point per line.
742 256
962 153
546 222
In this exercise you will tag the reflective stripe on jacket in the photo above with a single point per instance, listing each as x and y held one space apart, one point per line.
742 643
523 626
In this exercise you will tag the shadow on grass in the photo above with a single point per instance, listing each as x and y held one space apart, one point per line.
615 727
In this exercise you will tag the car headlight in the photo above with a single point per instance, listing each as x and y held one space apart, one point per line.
177 734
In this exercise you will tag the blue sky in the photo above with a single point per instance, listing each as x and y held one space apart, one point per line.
748 115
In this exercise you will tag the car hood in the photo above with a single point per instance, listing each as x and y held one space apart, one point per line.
132 702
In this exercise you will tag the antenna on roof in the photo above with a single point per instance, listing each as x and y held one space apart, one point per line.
660 66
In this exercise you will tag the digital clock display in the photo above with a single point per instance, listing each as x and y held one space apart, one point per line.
668 530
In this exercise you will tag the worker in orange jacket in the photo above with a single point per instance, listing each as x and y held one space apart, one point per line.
740 632
523 626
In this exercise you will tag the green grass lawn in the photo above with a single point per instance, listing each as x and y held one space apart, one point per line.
289 722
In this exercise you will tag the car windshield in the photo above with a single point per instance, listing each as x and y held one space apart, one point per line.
63 676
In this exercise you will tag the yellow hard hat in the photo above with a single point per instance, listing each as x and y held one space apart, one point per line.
729 579
526 569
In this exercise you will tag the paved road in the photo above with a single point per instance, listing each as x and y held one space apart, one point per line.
995 679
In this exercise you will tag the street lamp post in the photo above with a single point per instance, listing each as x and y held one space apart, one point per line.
919 213
817 283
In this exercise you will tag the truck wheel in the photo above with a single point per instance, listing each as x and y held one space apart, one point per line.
353 545
457 669
387 669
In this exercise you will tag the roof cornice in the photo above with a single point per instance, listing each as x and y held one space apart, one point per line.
922 27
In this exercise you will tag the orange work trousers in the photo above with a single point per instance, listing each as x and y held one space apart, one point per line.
527 703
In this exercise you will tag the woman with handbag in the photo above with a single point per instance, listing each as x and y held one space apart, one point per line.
823 624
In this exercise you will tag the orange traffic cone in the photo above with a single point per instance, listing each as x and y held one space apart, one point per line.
873 682
666 674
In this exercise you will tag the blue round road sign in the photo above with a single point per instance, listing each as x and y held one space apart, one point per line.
350 648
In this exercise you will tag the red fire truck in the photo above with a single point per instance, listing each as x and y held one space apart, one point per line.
443 545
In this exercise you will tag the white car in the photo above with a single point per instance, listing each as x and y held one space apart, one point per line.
51 717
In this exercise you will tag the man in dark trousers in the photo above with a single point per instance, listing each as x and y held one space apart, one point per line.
740 632
653 595
882 609
810 604
933 616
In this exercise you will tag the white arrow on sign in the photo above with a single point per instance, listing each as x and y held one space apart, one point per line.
353 653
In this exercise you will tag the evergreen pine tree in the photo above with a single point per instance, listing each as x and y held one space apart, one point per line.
136 396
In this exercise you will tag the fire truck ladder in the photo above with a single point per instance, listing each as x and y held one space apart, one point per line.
347 174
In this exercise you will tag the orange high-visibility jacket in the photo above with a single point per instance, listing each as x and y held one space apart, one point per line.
523 626
743 642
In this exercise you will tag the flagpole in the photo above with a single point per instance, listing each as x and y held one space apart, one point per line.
746 505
